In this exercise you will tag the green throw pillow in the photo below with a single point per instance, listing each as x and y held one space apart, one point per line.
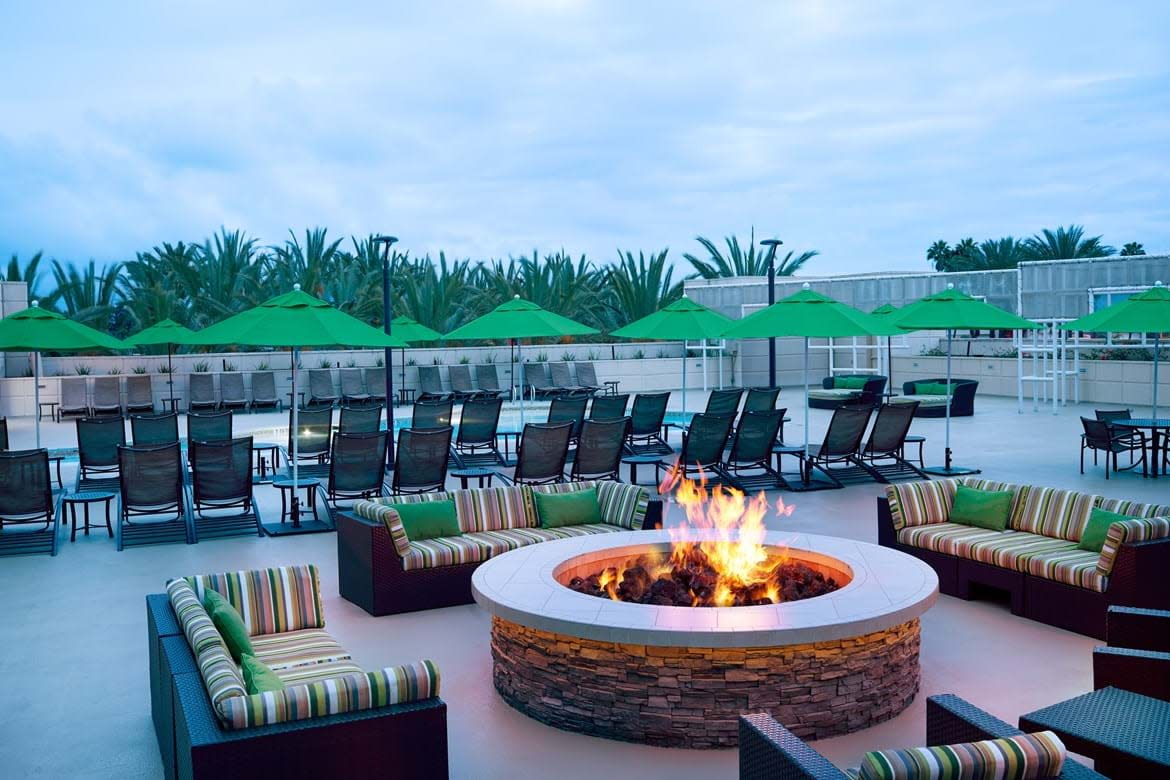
988 509
230 624
579 507
850 382
933 388
258 677
1093 537
428 519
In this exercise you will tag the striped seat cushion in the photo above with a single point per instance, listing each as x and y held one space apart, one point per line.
300 675
349 693
1014 550
946 537
1061 514
1139 529
923 400
832 393
1070 566
569 531
921 503
446 551
504 540
306 647
270 601
621 504
1014 758
220 674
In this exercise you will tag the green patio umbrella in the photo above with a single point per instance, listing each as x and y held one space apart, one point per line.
684 319
808 314
952 310
514 320
38 330
166 332
1146 312
295 320
411 330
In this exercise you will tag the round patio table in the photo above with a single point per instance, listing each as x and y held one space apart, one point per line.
1159 429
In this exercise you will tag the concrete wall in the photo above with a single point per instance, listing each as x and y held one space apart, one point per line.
13 298
1059 289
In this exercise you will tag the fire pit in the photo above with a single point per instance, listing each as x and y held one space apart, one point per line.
589 662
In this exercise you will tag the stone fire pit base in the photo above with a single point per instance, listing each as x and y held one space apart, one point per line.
691 697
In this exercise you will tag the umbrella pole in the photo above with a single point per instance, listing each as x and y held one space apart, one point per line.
1157 337
520 359
684 383
36 356
296 506
807 470
889 366
950 392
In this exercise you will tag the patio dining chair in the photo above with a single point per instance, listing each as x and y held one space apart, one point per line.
1119 432
748 465
701 456
536 381
608 407
264 391
148 430
376 383
646 418
421 460
26 501
431 414
357 467
561 378
724 402
1099 436
201 392
231 391
587 376
488 380
314 430
107 395
475 444
761 399
353 388
838 456
887 442
599 449
74 399
360 419
430 384
568 408
321 392
139 393
542 453
153 508
221 489
460 378
209 426
98 440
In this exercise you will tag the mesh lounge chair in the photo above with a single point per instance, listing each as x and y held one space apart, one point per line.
761 399
608 407
476 441
646 424
460 377
353 389
1101 437
568 408
139 394
431 414
543 450
313 432
73 397
231 391
376 384
489 380
536 381
422 457
221 481
209 426
749 464
357 467
321 390
149 430
430 384
98 440
264 391
201 389
724 402
887 442
702 450
3 434
107 395
599 449
151 485
841 446
562 380
360 419
26 501
587 376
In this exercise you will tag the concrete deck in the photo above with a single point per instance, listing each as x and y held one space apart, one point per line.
74 667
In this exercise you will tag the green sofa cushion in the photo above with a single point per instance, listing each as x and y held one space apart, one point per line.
933 388
229 624
990 509
258 676
579 507
1093 537
428 520
850 382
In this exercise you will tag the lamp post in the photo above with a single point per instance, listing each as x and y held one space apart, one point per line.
771 243
387 316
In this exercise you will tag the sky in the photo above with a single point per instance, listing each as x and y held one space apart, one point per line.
865 130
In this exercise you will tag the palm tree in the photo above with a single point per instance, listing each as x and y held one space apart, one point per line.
1131 249
307 265
640 287
1006 252
28 273
1065 244
741 262
939 255
435 294
88 297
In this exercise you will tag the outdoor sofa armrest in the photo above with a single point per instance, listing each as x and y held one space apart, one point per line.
887 536
827 383
1140 671
1138 629
653 518
768 751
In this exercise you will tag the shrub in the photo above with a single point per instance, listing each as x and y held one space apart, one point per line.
82 370
411 362
140 370
229 365
380 362
325 363
639 355
661 353
464 360
164 369
113 372
593 355
541 357
263 366
351 363
490 358
935 351
437 360
568 357
202 367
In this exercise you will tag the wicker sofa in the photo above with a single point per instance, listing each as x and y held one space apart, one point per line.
331 719
768 751
1035 560
935 405
838 390
385 573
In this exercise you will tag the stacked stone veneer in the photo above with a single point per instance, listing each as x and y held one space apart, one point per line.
691 696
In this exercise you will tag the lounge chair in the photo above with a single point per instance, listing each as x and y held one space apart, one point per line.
151 485
724 402
542 453
749 463
431 414
360 419
887 442
353 388
26 500
608 407
107 395
231 391
3 434
488 380
1099 436
535 380
421 460
701 456
264 391
376 383
313 431
221 481
201 390
761 399
841 446
357 467
475 444
460 378
321 392
568 408
646 424
430 384
209 426
149 430
587 376
599 449
98 440
562 380
139 393
73 397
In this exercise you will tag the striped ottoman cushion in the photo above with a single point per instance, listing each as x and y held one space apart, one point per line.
1070 566
269 600
308 647
947 538
445 551
921 503
1014 758
1061 514
1140 529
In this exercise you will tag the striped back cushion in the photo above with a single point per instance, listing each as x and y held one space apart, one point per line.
621 504
379 511
921 503
350 693
1133 508
271 601
1014 758
220 674
494 508
1139 529
1060 514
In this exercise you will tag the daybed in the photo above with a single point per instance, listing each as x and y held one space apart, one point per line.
932 397
841 389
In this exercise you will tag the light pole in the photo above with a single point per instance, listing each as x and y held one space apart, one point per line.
387 316
771 243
